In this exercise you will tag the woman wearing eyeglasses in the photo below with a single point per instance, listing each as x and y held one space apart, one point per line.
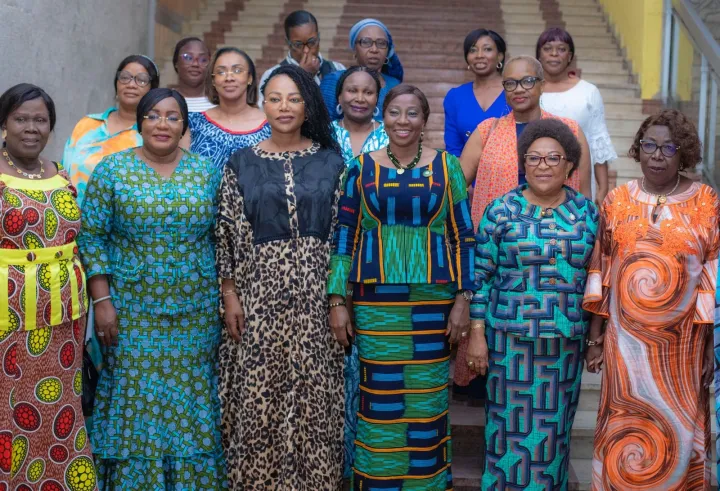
490 155
533 246
303 40
372 47
190 60
148 251
236 122
98 135
652 282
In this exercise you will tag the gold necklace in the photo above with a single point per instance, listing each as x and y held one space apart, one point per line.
26 175
662 198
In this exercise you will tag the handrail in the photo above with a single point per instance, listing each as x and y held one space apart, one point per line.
698 31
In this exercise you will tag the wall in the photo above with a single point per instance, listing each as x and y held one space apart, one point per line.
70 48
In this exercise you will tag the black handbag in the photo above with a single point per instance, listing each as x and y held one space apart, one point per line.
90 377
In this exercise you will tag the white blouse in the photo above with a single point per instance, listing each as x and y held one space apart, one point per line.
198 104
584 104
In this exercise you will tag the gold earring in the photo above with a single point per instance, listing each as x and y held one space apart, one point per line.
4 134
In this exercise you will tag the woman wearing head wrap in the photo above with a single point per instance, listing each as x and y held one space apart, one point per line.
373 48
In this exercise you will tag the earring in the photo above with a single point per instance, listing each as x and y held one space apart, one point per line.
500 65
682 166
4 134
387 61
422 135
468 67
376 112
338 109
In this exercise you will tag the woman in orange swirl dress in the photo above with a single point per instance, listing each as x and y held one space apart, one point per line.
652 278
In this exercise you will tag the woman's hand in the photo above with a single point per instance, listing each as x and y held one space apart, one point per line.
341 325
234 316
594 355
477 354
709 362
459 321
106 323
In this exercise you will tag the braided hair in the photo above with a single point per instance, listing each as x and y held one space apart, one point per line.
317 126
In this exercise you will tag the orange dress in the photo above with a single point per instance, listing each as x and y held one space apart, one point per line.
654 281
497 174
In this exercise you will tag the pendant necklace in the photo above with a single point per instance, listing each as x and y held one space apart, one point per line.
411 165
27 175
662 198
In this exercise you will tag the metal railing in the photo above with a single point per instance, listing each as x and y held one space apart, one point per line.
700 100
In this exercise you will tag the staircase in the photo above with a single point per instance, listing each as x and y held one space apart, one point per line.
429 36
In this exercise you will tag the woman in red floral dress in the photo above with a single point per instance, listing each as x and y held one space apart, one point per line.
43 440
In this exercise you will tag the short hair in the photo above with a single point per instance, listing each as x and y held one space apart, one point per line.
684 133
317 125
146 63
181 44
152 98
298 18
555 34
550 128
475 35
251 96
356 69
407 89
19 94
539 72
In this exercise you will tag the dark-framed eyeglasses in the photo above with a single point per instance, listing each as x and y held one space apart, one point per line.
188 59
552 160
234 70
668 149
300 45
368 42
527 83
141 79
156 119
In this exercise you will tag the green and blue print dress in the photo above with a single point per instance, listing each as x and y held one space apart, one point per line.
157 412
406 242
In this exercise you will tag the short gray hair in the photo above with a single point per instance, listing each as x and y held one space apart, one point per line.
539 72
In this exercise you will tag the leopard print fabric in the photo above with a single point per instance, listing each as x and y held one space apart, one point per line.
281 388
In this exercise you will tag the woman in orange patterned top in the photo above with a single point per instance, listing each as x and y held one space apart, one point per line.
42 307
490 158
652 278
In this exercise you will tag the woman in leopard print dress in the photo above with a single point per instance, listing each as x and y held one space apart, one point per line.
281 379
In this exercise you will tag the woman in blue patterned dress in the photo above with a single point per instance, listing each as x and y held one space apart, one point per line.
534 245
235 122
149 256
356 133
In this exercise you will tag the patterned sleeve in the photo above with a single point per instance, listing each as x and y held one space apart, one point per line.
347 230
601 147
328 88
229 255
486 258
94 238
460 226
705 304
597 287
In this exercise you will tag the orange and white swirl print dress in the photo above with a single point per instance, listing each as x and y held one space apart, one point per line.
654 281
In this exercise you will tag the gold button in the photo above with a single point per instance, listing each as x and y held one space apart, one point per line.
58 254
553 281
553 260
548 212
553 241
572 217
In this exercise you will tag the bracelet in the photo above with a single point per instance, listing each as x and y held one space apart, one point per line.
337 304
478 325
349 292
227 293
592 343
101 299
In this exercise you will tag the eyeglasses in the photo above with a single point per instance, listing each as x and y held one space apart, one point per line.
527 83
667 149
368 42
553 160
141 79
277 101
299 45
234 70
155 119
188 59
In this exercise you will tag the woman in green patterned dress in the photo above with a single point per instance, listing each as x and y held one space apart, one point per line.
150 259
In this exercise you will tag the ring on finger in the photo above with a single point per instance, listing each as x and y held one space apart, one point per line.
101 334
463 334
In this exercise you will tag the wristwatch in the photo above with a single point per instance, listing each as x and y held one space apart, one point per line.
467 294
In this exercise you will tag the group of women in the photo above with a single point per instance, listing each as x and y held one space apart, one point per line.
347 258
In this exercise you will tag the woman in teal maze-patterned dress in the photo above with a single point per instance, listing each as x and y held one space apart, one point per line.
533 247
148 249
405 243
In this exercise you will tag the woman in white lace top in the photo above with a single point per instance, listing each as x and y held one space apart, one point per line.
570 97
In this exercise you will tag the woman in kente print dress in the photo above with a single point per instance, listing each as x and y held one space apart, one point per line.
147 246
43 440
652 278
281 371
